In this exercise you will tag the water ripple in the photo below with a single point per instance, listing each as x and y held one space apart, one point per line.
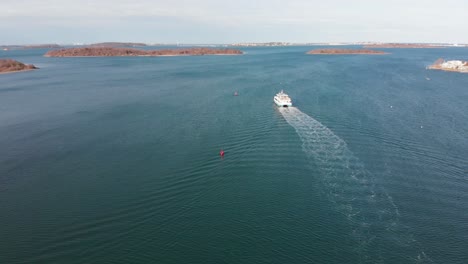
351 188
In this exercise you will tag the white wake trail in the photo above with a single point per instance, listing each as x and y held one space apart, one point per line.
351 188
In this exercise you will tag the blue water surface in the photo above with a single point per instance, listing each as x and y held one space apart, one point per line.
115 159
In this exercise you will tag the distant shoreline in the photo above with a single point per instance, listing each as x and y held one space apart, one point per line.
402 46
143 56
346 52
130 52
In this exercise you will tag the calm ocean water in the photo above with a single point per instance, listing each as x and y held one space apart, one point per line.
115 160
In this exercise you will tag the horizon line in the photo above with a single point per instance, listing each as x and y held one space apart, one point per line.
235 43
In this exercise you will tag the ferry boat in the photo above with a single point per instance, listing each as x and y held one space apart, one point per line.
282 100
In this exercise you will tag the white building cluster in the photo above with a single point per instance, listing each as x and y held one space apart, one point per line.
457 65
454 64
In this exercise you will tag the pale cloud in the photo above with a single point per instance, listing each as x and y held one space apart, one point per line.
422 20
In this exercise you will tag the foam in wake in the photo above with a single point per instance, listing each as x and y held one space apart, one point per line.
373 215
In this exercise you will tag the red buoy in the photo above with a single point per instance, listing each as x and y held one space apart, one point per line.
221 153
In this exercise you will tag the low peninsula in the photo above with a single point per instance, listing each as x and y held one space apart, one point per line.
9 65
452 65
345 52
128 52
117 44
403 45
38 46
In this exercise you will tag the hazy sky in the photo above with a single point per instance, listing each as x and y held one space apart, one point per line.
217 21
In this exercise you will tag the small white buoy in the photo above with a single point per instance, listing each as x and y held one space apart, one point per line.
421 126
391 106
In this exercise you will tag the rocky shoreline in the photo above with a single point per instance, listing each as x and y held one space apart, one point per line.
9 65
128 52
345 51
452 65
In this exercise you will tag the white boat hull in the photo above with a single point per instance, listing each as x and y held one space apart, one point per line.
281 104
